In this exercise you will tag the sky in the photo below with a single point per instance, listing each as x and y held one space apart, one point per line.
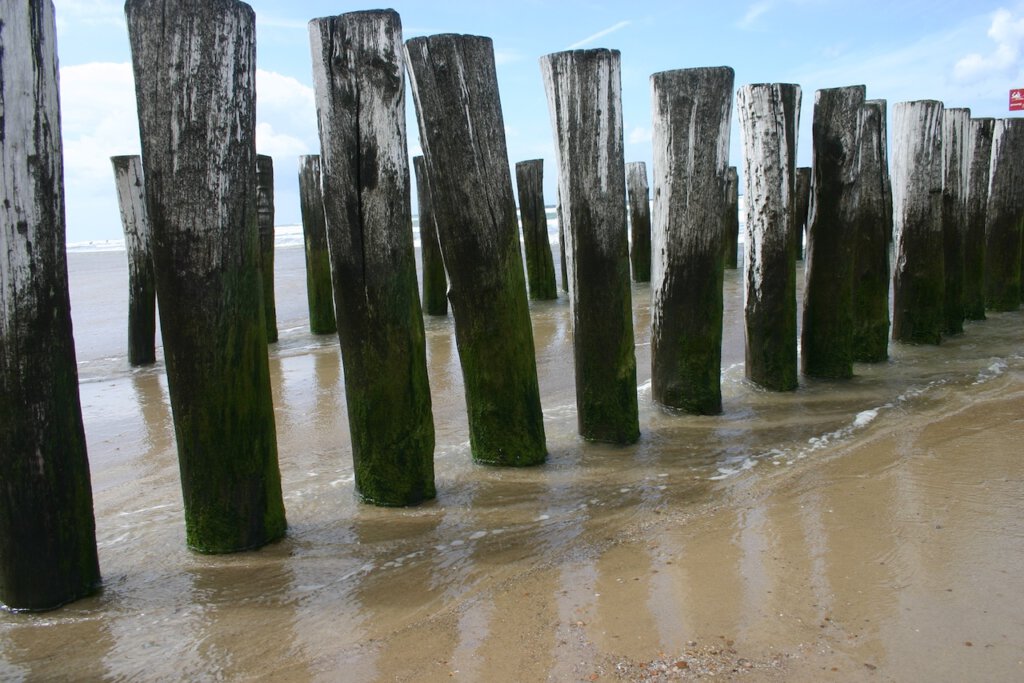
966 54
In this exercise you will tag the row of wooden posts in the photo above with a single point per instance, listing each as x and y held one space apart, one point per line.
208 202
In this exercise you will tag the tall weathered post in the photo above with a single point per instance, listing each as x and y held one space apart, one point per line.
801 208
639 196
563 261
435 280
883 107
131 198
979 162
584 92
692 110
918 312
265 221
767 118
359 79
540 266
955 129
195 78
319 291
826 339
1004 218
871 271
47 529
455 87
731 219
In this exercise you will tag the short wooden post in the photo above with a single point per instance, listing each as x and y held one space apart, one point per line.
195 77
978 153
455 86
319 290
871 250
731 219
359 81
826 339
131 198
540 266
692 110
584 92
918 313
265 220
639 196
801 208
563 261
47 530
1004 218
767 128
435 280
955 129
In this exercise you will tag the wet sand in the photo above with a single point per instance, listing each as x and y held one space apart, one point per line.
861 530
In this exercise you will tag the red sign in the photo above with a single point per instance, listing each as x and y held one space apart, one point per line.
1017 99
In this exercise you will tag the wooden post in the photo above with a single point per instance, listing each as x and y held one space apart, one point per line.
359 81
1004 216
584 91
871 250
455 87
919 275
131 198
692 110
801 208
435 280
978 153
883 106
767 125
639 196
47 530
731 219
563 261
195 78
540 267
265 220
319 290
826 340
955 129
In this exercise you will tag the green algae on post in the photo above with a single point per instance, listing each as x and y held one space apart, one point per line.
131 198
265 221
918 311
540 266
692 112
47 530
584 93
319 290
979 163
455 87
639 196
435 280
826 340
359 79
196 60
1004 219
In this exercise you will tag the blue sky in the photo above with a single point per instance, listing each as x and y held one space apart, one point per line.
967 54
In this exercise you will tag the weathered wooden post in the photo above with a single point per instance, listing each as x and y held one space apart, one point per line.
265 221
955 127
584 92
692 112
131 198
883 106
826 340
359 80
801 208
319 291
563 261
1004 216
639 196
979 161
435 280
731 219
455 88
919 274
871 271
195 75
47 529
540 267
767 118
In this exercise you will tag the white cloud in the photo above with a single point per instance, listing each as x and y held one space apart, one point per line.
639 135
1007 32
89 13
599 34
272 143
755 12
502 57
